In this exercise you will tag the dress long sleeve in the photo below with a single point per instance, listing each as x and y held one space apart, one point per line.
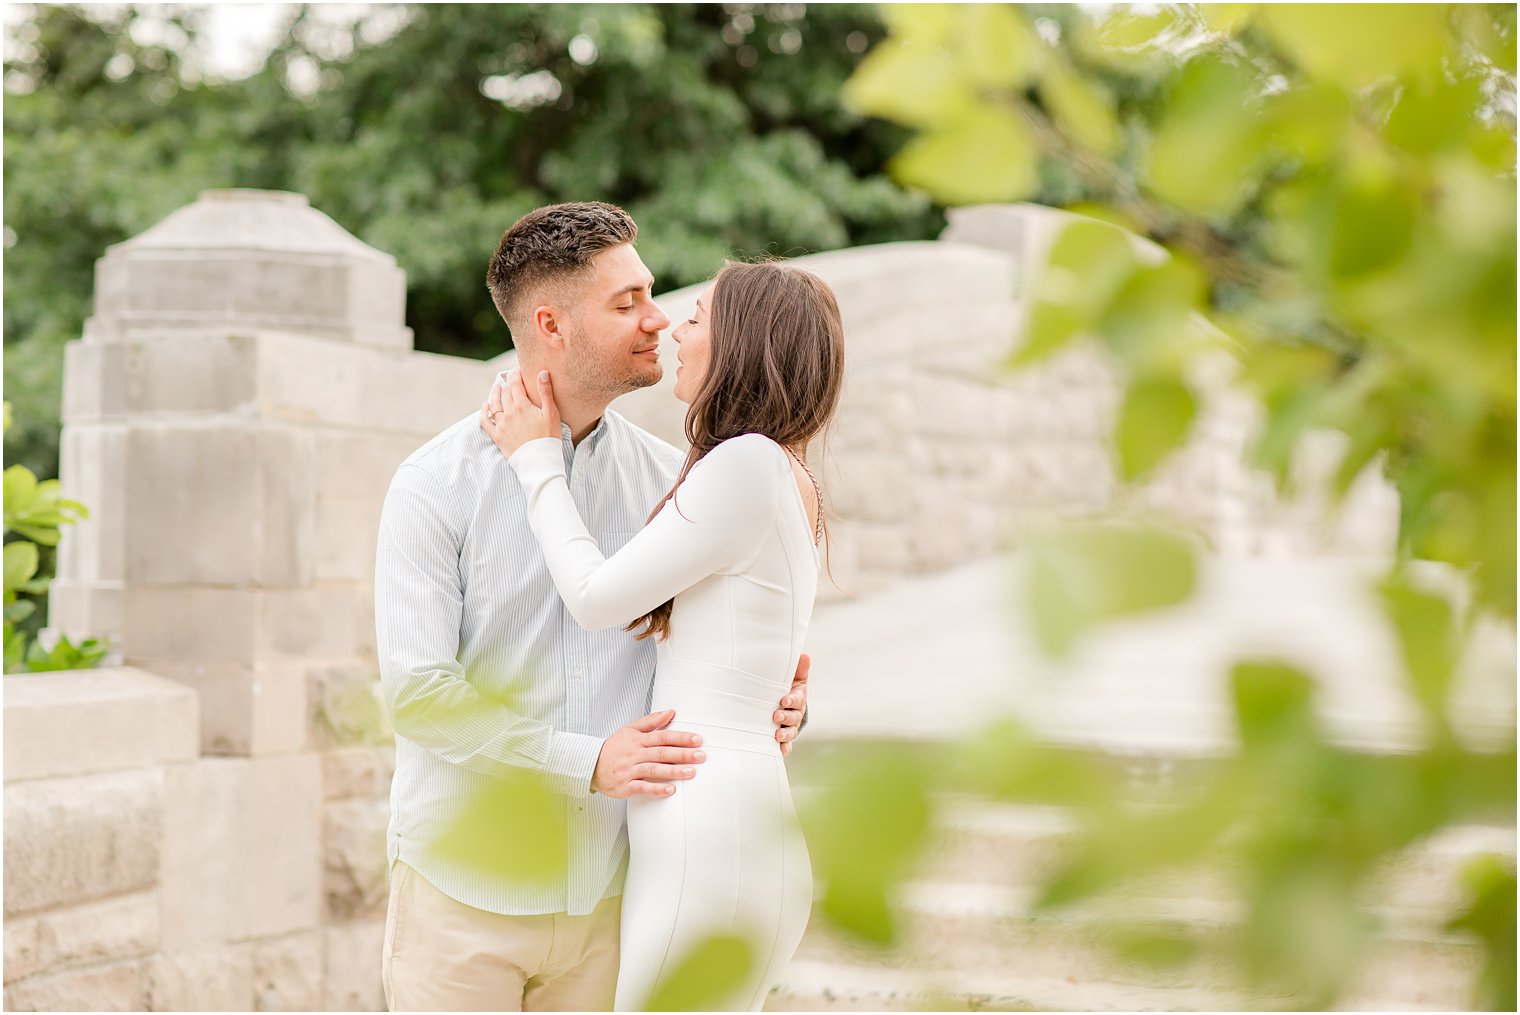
716 524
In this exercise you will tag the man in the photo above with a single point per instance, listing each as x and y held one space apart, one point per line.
488 677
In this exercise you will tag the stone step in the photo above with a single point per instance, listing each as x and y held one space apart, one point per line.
1009 845
952 932
968 942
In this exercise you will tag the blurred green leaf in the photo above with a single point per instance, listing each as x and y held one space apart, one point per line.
1081 108
1273 704
1006 761
705 978
1357 44
1154 421
910 81
1429 639
1226 18
65 655
1211 141
999 49
867 825
1489 914
984 156
1082 576
1146 322
511 828
20 563
1087 265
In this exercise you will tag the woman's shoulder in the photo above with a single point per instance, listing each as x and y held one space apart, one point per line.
750 461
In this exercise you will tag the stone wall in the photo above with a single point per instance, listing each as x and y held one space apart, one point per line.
233 414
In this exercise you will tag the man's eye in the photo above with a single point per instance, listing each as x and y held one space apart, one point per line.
628 307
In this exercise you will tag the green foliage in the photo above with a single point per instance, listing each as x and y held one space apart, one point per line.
512 828
863 832
34 515
704 979
1082 576
1329 192
717 128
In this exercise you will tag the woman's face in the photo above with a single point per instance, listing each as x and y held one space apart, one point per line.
692 339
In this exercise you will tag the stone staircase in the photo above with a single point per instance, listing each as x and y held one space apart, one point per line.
969 945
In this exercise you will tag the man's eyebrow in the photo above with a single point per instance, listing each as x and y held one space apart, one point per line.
635 288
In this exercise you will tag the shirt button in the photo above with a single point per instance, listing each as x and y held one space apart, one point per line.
579 673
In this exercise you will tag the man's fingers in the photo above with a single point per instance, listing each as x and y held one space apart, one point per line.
641 788
654 772
673 756
672 738
787 717
804 666
654 721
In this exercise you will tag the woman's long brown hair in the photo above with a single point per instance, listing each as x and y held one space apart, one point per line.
775 367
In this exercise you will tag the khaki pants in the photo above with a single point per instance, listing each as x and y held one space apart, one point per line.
441 955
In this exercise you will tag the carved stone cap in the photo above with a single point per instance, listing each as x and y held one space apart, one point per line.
250 259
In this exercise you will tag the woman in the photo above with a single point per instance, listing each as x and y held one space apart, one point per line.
724 575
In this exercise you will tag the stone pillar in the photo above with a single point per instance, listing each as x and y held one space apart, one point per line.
232 415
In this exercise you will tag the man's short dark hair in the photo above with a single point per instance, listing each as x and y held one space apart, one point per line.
551 244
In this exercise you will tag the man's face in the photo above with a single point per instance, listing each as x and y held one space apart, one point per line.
614 343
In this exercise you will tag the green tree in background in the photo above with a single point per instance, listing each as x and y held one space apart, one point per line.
718 127
1335 186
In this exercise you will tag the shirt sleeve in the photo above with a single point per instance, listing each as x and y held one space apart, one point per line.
419 603
716 523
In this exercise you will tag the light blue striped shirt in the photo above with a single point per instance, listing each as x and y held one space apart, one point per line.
485 671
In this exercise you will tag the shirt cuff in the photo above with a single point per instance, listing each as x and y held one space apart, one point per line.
572 762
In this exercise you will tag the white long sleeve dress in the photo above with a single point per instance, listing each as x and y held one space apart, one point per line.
734 548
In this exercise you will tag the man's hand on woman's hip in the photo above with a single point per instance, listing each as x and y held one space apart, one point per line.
644 758
791 716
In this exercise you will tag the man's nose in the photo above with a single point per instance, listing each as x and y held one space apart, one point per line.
657 321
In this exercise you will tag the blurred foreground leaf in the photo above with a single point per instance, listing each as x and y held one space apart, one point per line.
864 829
1081 576
1490 915
512 829
706 977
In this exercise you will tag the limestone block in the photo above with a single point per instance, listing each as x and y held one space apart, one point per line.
249 257
311 380
358 465
251 710
59 724
883 547
287 972
156 373
202 625
220 504
92 470
119 928
355 869
364 620
193 496
306 623
74 839
287 507
92 375
358 772
88 610
21 948
242 849
114 987
346 534
346 706
353 966
871 487
208 978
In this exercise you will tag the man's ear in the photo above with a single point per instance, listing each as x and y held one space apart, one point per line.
548 326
